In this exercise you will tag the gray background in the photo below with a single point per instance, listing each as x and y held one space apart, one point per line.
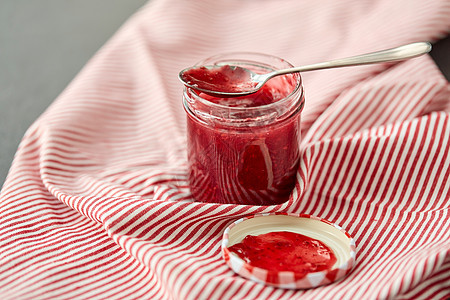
44 44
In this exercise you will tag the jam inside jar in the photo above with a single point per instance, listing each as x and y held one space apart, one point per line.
245 150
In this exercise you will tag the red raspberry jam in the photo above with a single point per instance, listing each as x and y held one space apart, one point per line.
285 251
245 150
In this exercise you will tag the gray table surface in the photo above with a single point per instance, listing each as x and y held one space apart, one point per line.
44 44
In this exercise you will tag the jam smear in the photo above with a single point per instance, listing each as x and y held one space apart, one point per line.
285 251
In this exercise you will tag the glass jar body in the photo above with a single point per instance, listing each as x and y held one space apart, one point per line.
245 155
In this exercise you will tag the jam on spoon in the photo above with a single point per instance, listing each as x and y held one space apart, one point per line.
223 79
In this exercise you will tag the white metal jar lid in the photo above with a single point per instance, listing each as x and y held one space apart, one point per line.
340 242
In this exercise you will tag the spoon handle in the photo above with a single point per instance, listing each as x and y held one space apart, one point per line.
394 54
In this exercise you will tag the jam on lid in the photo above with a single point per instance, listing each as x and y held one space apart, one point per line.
288 250
285 251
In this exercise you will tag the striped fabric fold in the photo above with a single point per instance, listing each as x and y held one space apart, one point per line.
97 206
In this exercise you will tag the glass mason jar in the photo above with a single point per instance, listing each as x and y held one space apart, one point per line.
245 150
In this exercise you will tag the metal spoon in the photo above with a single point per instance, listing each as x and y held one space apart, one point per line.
239 81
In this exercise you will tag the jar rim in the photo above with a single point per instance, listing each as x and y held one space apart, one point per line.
286 106
225 58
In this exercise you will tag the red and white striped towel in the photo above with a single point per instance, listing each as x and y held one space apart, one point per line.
96 205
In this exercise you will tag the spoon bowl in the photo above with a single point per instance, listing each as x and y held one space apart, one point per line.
224 80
